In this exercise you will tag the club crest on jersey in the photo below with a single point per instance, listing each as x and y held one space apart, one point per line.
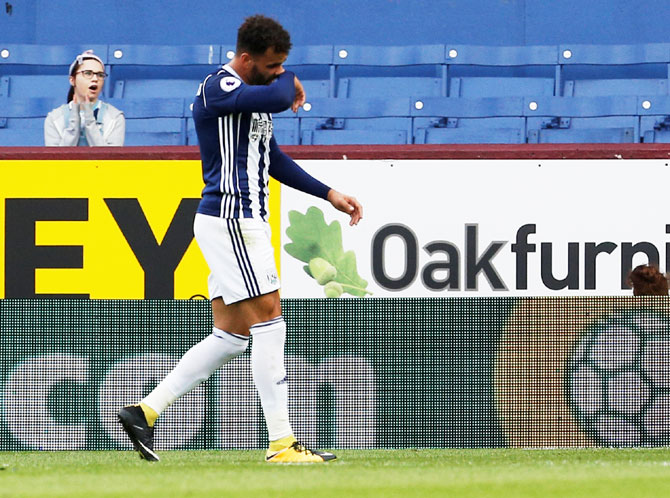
260 128
229 83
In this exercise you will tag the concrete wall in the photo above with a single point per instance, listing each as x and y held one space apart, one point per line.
371 22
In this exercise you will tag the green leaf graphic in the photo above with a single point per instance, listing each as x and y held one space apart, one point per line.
313 238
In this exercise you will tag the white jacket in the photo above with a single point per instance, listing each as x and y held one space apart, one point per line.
74 124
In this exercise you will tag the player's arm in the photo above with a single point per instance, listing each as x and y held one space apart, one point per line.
285 170
227 94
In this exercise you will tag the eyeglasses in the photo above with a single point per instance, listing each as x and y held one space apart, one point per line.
89 74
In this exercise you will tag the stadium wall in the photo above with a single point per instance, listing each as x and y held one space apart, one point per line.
406 22
440 221
363 373
450 370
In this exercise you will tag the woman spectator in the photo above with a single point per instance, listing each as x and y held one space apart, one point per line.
647 280
85 120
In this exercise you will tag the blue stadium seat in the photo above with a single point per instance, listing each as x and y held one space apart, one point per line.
641 61
22 120
286 128
156 88
28 108
227 53
150 108
654 118
316 89
424 62
153 121
156 131
620 86
582 119
49 61
191 136
486 86
314 66
399 86
536 65
468 120
47 55
137 71
485 55
355 121
165 55
26 86
21 137
406 55
646 53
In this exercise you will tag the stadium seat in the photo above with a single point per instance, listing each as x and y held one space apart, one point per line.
485 55
406 55
191 136
28 108
150 108
46 55
316 89
26 86
641 61
399 86
28 71
137 71
654 118
423 62
621 86
535 66
165 55
582 120
22 120
479 87
355 121
286 128
156 88
22 137
314 66
155 131
468 120
153 121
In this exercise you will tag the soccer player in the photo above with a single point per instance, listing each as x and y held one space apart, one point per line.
232 114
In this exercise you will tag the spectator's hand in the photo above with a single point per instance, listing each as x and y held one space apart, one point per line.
346 204
299 95
81 99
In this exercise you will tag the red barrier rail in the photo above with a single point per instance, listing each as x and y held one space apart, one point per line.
450 151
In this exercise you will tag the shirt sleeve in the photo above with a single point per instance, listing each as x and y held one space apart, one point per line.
114 136
51 135
285 170
224 94
70 135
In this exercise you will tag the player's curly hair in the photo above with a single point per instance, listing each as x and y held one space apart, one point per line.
258 33
647 280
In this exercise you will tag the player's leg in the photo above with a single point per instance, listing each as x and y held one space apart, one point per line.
196 366
261 316
220 248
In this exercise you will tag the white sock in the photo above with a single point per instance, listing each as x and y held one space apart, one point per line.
196 366
267 365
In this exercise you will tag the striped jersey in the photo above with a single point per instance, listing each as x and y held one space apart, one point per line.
233 122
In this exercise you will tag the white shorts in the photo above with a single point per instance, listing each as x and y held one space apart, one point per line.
239 255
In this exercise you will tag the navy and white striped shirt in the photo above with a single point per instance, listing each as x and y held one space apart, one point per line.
234 126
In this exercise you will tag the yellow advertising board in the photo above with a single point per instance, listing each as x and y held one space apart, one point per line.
103 229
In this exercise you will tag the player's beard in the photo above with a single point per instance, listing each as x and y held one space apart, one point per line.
256 78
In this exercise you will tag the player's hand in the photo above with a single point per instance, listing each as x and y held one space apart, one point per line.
299 95
346 204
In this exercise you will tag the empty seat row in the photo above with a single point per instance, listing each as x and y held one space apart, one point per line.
352 71
389 121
